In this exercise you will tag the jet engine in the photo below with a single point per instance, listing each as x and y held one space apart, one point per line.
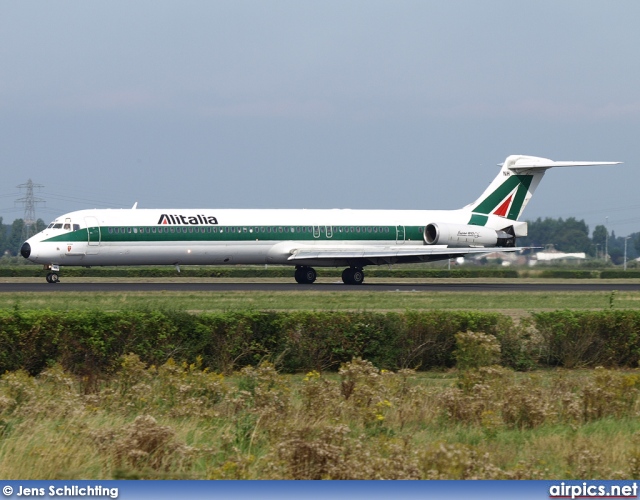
461 235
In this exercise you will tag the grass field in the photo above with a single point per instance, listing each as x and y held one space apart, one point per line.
513 303
363 423
182 422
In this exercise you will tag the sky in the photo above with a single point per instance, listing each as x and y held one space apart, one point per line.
318 104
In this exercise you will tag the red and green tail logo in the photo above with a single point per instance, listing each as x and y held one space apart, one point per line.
507 200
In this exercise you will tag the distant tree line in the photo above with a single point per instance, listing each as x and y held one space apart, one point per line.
572 235
12 235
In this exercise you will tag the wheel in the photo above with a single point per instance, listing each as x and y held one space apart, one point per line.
346 276
305 275
310 275
52 278
352 276
357 276
49 278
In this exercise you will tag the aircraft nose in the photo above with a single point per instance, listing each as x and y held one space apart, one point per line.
25 250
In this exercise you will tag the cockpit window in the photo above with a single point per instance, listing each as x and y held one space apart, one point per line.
50 225
67 226
57 226
76 227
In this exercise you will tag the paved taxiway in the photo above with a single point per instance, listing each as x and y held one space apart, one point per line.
404 286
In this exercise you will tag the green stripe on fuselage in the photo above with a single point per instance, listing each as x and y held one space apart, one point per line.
172 233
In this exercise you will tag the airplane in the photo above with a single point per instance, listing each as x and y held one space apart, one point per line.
303 238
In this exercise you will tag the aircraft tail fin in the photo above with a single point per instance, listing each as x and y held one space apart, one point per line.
511 190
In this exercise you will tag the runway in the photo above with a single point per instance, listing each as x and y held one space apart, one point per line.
402 286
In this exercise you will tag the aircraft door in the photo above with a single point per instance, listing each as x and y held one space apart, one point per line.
399 234
94 234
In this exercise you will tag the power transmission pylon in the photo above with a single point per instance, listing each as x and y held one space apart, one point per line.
29 201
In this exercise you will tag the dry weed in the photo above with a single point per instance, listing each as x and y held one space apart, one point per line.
143 444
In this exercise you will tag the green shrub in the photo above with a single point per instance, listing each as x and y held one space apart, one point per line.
589 338
475 349
619 274
90 343
568 273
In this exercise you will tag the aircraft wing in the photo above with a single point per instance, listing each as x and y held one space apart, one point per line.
391 253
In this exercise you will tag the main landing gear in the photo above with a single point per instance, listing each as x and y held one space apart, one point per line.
353 276
53 278
306 275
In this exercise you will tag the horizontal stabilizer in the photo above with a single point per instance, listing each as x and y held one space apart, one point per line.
532 164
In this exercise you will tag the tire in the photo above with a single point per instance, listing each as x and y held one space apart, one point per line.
305 275
352 276
346 276
309 275
357 276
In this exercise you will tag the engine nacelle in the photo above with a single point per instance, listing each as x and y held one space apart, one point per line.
462 235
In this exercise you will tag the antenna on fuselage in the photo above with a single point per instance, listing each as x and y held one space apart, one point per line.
135 205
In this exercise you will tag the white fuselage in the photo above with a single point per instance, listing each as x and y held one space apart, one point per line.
214 237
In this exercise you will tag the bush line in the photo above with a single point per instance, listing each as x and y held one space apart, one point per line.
90 343
250 272
28 271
